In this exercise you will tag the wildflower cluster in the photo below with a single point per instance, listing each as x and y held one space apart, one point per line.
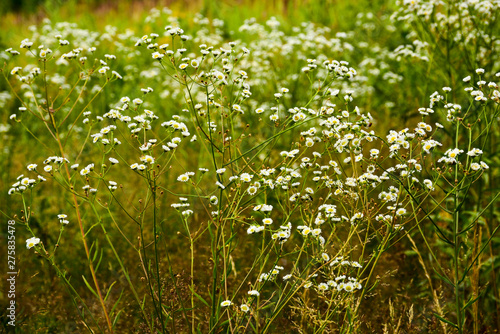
283 184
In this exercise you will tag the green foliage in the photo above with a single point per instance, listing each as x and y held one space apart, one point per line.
214 172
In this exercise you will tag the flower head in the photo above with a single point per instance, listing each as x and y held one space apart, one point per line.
31 242
226 303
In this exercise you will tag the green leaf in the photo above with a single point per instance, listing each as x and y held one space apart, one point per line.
88 286
116 318
443 278
230 239
109 290
373 286
96 250
441 236
199 297
470 302
100 259
116 303
91 227
444 320
410 252
253 327
268 306
224 323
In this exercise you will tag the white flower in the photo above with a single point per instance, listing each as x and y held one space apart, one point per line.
15 70
84 171
214 200
103 69
32 242
475 166
252 190
245 177
374 153
349 286
267 221
157 55
428 184
356 264
113 161
266 208
244 308
252 229
254 293
305 230
474 152
226 303
356 216
148 159
187 213
400 212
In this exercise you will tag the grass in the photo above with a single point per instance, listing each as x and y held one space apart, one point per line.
330 186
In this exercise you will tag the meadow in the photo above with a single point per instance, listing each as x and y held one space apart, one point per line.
306 166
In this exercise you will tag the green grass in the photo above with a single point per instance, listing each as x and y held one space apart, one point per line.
129 261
